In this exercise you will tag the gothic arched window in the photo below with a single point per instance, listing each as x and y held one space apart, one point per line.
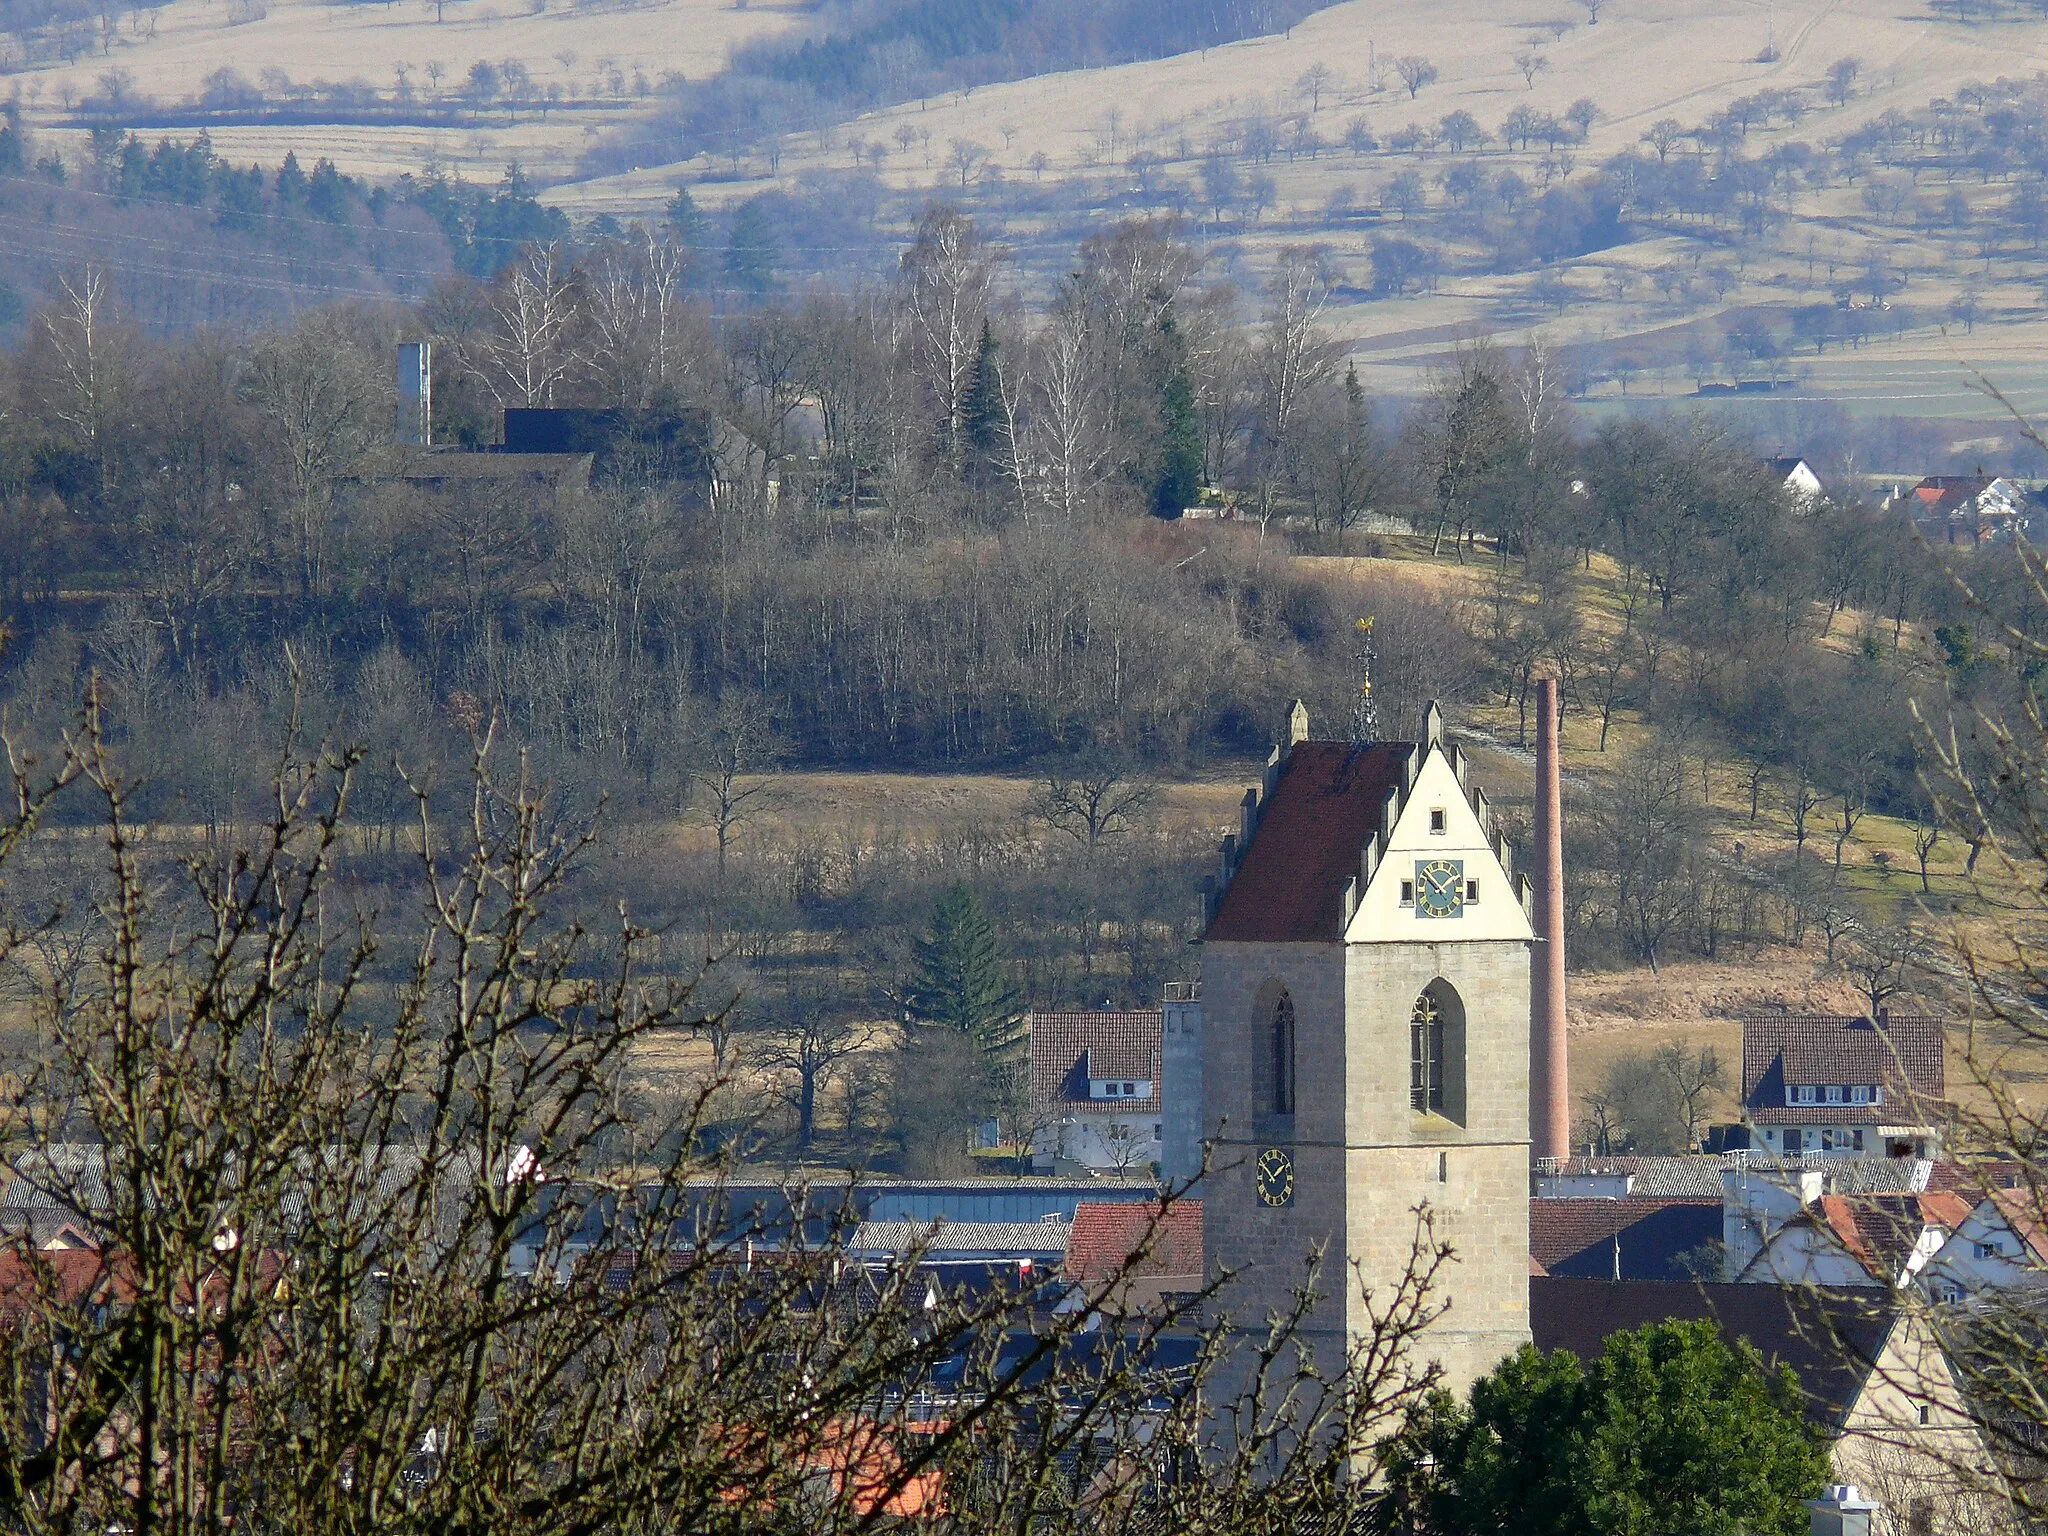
1426 1055
1283 1056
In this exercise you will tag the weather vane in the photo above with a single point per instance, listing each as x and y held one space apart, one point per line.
1365 714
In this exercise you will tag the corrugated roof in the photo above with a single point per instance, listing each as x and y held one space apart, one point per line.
1900 1052
1592 1236
1829 1341
1289 884
1107 1234
1067 1048
1025 1239
1697 1176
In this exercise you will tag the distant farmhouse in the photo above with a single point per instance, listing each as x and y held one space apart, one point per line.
1798 478
1095 1090
1968 509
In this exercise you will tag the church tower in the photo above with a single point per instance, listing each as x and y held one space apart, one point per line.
1364 1044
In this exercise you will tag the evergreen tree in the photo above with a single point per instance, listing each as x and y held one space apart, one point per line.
1180 456
750 249
684 218
981 409
961 981
291 182
1671 1429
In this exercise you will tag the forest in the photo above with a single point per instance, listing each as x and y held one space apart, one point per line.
918 526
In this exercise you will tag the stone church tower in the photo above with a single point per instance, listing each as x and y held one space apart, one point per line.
1361 1045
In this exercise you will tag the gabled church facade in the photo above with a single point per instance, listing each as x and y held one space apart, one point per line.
1361 1048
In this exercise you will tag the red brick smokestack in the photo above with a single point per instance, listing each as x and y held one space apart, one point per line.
1550 1094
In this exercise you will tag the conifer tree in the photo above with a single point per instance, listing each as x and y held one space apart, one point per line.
1180 457
961 981
981 408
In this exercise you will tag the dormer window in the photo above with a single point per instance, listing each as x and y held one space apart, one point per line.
1834 1093
1436 820
1859 1093
1802 1093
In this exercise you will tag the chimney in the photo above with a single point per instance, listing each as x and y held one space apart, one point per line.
1841 1511
1550 1105
416 393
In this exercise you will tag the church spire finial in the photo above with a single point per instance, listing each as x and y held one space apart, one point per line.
1365 711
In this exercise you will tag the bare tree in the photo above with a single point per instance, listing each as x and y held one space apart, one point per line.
88 372
1415 72
1067 419
324 400
730 785
1094 798
526 353
1696 1077
947 276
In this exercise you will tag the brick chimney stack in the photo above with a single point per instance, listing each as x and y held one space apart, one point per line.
1550 1094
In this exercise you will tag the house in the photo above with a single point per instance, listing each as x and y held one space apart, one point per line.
1095 1089
2000 1245
1843 1086
1967 509
1631 1237
1111 1239
1798 478
1872 1377
1841 1243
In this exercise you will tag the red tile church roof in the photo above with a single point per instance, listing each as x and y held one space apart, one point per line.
1290 882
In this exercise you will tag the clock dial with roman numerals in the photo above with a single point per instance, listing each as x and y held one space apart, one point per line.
1275 1176
1439 887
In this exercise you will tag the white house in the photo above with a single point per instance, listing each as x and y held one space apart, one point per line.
1095 1089
1843 1086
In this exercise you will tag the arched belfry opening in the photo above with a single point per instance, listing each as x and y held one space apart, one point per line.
1436 1052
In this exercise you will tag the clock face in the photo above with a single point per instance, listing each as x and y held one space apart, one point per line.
1439 887
1276 1176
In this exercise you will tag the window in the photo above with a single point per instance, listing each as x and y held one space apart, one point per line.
1834 1093
1856 1138
1791 1140
1130 1090
1436 819
1426 1056
1471 893
1926 1414
1808 1094
1859 1093
1407 893
1987 1250
1283 1056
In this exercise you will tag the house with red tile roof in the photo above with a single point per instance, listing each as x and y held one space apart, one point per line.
1844 1085
1843 1241
1158 1254
2002 1245
1095 1090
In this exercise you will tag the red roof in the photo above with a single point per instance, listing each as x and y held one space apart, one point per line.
1290 883
1881 1231
1069 1048
1107 1233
